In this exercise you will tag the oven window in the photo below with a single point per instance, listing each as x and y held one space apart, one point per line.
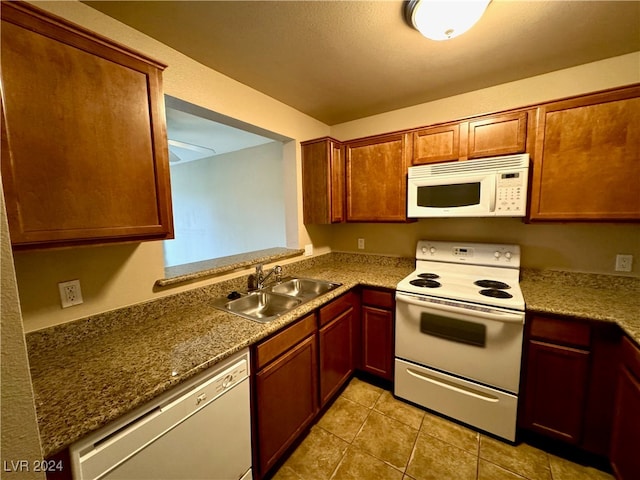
460 331
454 195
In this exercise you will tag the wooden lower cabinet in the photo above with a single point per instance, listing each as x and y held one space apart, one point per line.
556 390
377 332
336 339
285 391
568 382
625 438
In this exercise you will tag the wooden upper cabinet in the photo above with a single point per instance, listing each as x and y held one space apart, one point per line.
323 181
84 147
504 134
488 136
377 178
587 158
436 144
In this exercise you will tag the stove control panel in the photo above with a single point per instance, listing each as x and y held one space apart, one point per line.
462 252
472 253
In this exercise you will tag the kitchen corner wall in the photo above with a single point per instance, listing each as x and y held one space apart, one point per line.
20 438
585 247
571 247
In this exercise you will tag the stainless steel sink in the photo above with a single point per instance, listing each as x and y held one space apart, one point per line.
270 302
303 288
261 306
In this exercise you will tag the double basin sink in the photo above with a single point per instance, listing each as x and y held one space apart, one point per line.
270 302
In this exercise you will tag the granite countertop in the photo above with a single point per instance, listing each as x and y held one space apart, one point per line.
607 298
90 372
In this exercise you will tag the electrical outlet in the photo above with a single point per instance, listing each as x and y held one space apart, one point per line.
623 263
308 249
70 293
361 243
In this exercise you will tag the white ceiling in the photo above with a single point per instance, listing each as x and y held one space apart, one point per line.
342 60
204 138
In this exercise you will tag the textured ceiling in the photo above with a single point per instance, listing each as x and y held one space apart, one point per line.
342 60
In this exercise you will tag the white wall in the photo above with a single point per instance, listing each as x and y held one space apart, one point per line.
20 437
227 204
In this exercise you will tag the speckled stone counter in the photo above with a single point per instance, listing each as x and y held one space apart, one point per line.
582 295
91 371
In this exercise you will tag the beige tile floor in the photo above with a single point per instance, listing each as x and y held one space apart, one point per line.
368 434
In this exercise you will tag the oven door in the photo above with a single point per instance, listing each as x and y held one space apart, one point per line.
452 196
483 344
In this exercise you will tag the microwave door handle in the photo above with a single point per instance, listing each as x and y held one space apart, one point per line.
494 193
495 315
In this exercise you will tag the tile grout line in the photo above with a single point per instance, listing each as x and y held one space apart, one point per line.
413 449
350 444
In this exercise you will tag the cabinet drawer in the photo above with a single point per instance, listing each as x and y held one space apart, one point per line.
284 340
561 331
379 298
335 308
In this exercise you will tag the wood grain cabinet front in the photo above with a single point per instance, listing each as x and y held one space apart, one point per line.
567 382
377 178
625 437
323 181
84 146
502 134
337 345
285 396
557 369
587 158
486 136
436 144
377 332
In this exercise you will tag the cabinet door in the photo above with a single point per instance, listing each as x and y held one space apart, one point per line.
436 144
84 149
625 436
504 134
556 386
323 181
587 158
336 355
377 178
377 341
286 401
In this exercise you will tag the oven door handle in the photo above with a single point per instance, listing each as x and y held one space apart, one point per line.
456 388
496 315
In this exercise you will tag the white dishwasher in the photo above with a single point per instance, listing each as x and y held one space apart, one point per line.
199 430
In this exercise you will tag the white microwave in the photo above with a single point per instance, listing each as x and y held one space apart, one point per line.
488 187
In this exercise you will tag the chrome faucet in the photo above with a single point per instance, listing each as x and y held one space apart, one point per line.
261 278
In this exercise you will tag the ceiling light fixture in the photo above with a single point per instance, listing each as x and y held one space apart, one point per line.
179 151
444 19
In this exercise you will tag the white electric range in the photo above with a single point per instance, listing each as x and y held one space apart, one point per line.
459 329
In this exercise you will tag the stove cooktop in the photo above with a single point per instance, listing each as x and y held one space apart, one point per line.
486 274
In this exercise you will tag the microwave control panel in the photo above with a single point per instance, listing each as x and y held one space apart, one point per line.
511 192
